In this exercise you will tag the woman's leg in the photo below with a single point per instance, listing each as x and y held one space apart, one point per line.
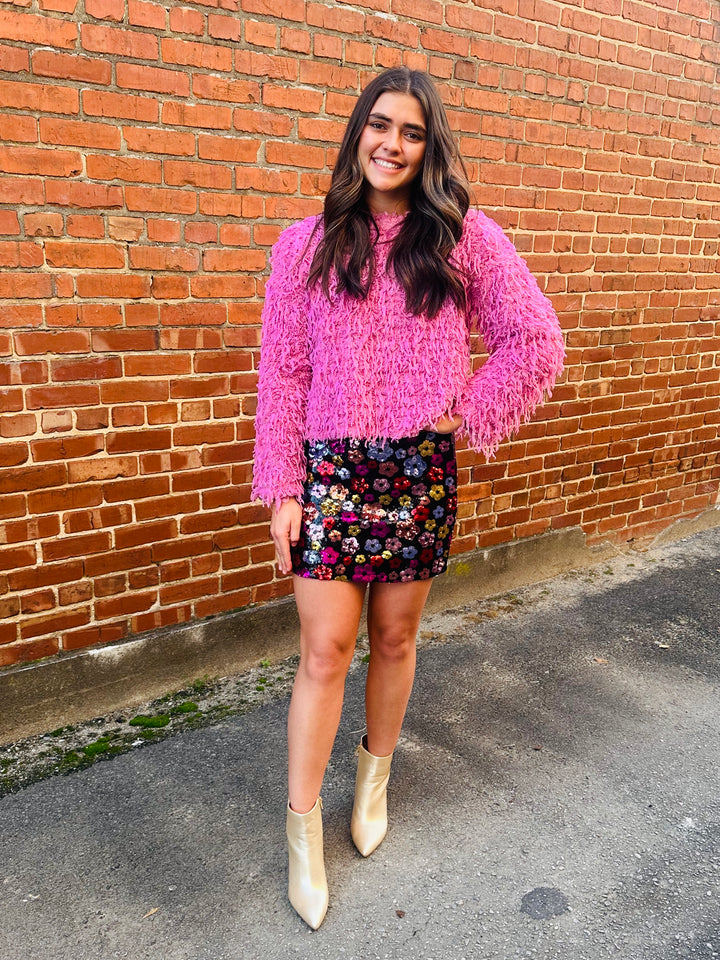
394 611
329 616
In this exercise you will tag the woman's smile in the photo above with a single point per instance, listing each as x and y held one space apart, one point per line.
387 164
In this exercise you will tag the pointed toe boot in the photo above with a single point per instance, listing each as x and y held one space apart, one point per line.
368 825
307 885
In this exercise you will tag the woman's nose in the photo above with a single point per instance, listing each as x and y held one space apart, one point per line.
392 140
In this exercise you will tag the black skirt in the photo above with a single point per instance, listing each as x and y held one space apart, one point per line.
377 511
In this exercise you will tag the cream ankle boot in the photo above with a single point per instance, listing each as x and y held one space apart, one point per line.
307 885
368 825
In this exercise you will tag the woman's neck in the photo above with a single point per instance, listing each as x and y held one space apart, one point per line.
386 203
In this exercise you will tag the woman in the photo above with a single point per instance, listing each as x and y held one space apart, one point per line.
364 379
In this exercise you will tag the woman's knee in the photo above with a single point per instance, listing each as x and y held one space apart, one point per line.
325 661
393 643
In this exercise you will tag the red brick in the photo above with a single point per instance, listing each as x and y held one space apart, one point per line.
396 32
148 577
189 53
148 532
13 557
9 607
201 480
104 563
111 585
66 448
33 578
38 30
37 602
157 140
183 173
84 520
231 149
89 636
23 425
124 605
208 522
167 506
261 34
48 63
174 461
86 315
62 396
288 98
197 115
9 223
185 20
12 454
133 440
163 258
123 341
247 577
66 547
224 28
157 365
189 591
161 618
14 59
130 490
183 547
12 653
100 368
289 10
32 478
445 42
17 284
162 413
119 41
227 601
24 372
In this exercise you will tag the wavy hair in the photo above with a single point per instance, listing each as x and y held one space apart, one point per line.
433 226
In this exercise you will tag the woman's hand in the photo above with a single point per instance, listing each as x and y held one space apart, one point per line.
285 530
446 424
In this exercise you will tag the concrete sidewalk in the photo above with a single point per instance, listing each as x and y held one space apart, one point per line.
554 796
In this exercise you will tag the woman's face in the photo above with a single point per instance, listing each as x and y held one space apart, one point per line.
391 150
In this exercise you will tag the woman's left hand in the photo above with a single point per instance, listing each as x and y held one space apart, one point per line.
285 527
446 424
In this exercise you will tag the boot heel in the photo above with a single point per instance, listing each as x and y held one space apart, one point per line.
307 884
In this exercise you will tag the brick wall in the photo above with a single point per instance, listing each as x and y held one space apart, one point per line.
151 154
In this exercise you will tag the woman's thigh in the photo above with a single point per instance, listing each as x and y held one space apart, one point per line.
395 609
329 612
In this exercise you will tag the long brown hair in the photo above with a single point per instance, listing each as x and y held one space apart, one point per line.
439 201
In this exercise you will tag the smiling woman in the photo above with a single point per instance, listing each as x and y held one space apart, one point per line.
365 375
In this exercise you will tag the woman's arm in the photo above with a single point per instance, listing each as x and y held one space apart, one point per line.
521 334
285 374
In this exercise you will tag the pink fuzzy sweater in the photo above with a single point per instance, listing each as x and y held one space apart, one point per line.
369 369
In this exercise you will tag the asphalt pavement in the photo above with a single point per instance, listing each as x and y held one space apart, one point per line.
554 796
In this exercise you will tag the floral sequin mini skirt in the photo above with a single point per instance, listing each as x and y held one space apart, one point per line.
377 511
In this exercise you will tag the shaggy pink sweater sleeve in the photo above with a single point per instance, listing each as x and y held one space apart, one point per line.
285 373
521 334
